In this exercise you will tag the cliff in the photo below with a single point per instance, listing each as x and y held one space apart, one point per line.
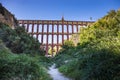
7 17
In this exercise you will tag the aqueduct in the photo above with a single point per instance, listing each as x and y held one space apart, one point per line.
48 32
52 32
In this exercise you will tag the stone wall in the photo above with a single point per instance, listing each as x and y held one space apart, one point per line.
7 17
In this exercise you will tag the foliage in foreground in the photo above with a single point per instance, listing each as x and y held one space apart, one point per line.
22 59
97 57
18 41
23 67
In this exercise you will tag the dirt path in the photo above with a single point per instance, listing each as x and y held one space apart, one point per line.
55 74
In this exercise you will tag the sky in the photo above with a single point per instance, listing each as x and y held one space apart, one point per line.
77 10
54 9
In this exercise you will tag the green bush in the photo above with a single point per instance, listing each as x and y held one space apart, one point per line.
18 41
97 57
23 67
28 62
68 44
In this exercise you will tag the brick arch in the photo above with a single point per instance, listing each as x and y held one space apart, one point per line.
51 25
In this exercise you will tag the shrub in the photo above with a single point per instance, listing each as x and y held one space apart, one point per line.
23 67
18 41
97 57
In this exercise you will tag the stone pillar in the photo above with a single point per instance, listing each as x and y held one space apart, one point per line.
52 37
62 32
72 28
47 39
42 32
32 27
37 31
57 36
77 27
67 31
27 26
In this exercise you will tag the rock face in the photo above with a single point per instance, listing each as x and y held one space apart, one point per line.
7 17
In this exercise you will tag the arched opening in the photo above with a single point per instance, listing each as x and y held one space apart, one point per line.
50 28
60 39
55 39
65 28
60 28
40 28
70 28
50 39
44 39
45 28
75 28
39 38
30 28
55 28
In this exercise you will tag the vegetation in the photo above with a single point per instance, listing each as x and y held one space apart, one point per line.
19 41
68 44
20 56
97 56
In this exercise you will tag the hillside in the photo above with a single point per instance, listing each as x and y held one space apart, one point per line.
20 56
97 56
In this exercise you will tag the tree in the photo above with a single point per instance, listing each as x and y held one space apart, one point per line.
68 44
